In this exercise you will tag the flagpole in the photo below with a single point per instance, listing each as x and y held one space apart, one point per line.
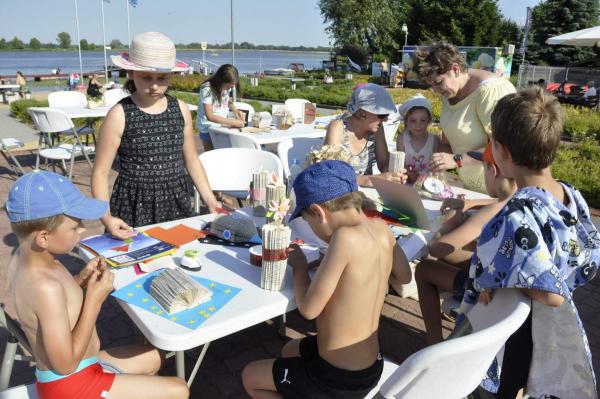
232 42
128 27
104 44
78 42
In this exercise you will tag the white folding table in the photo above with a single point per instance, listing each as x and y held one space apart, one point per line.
227 265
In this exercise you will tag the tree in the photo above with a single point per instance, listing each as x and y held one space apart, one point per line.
34 43
16 44
460 22
371 24
84 44
356 53
64 40
555 17
3 44
116 43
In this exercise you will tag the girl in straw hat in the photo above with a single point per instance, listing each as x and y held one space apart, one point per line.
152 134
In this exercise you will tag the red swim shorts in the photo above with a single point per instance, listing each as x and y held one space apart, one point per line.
90 383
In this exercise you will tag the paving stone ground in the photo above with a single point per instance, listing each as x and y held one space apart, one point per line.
401 328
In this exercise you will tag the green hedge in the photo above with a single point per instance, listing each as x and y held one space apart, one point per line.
579 165
18 109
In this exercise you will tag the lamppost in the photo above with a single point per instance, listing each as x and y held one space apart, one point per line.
405 31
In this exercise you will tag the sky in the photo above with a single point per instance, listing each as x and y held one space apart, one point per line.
278 22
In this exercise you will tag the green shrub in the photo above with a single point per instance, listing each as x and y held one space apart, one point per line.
581 123
579 165
18 109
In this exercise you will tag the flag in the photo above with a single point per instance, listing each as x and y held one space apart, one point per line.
133 3
523 46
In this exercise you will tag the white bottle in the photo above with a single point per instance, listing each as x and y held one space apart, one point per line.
295 170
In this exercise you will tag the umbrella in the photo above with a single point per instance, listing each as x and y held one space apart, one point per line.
584 37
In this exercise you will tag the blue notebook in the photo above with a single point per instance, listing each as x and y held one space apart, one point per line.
138 293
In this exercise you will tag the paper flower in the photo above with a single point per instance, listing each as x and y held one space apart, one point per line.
326 152
278 209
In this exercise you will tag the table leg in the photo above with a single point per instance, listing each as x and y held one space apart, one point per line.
197 365
180 364
281 321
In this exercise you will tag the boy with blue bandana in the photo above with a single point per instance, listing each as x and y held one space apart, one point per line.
544 243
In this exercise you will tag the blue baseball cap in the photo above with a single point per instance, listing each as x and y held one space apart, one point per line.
322 182
40 194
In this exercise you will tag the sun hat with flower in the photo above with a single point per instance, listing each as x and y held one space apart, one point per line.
151 52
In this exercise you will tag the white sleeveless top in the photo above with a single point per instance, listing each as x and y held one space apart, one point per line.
417 160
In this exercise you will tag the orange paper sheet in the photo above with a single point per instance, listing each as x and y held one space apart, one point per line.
177 235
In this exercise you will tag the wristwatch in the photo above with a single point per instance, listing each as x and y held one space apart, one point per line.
458 159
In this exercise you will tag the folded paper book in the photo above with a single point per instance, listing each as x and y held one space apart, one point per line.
138 293
175 290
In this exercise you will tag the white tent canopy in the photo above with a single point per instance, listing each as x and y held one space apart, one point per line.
584 37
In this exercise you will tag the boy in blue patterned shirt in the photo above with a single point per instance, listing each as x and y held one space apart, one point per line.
544 243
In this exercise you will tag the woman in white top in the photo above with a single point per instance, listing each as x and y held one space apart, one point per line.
468 99
416 141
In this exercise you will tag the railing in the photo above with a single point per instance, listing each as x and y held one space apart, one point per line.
205 67
529 74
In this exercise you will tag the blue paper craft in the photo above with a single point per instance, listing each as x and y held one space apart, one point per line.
138 293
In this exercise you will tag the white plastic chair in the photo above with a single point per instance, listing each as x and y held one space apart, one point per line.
296 107
230 169
223 138
20 392
295 148
454 368
245 107
6 146
16 337
113 96
72 99
67 99
49 121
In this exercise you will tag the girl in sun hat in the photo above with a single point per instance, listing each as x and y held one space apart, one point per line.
416 141
153 135
362 132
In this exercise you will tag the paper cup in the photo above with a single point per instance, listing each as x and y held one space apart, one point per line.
256 255
396 163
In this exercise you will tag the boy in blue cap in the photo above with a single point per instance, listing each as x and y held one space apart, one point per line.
45 211
345 296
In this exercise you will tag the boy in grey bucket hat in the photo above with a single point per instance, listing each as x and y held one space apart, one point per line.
349 286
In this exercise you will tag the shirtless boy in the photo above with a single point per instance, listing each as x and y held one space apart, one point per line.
58 317
345 296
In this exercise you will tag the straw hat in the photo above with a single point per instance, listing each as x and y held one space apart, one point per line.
152 52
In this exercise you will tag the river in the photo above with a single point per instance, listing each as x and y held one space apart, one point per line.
247 61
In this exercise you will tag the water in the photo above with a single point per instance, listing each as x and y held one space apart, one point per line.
247 61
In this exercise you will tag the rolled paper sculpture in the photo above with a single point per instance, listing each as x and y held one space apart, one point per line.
259 193
396 161
276 241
